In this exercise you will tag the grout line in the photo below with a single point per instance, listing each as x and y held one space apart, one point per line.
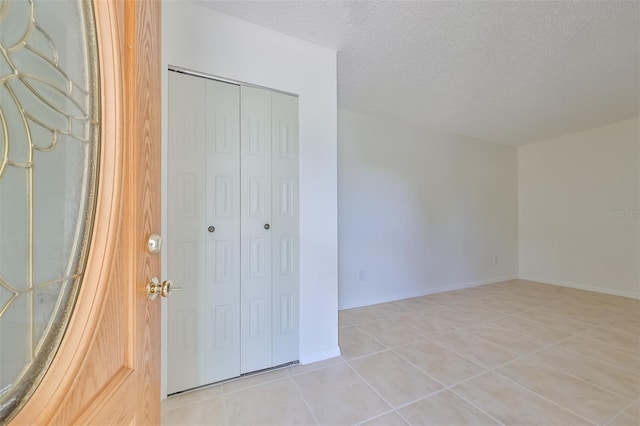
476 407
304 400
599 360
584 380
370 386
545 398
619 413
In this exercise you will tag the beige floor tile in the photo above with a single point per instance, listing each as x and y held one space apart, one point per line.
416 303
629 417
510 404
306 368
605 353
254 380
357 316
476 312
275 403
346 318
506 338
538 332
394 378
473 348
629 342
496 305
439 362
521 302
424 324
389 419
336 395
624 325
450 297
450 318
613 379
191 397
207 412
554 319
580 397
445 408
389 332
391 309
355 342
589 313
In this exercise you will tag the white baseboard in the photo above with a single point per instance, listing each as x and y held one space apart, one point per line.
426 291
319 356
597 289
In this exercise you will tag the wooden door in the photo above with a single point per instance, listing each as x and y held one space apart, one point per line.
107 369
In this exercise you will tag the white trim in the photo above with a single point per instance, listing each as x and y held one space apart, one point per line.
598 289
427 291
319 356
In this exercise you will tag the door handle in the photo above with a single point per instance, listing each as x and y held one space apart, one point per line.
155 288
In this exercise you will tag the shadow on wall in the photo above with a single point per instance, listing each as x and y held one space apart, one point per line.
420 211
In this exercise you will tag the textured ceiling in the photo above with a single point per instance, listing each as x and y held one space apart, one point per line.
512 72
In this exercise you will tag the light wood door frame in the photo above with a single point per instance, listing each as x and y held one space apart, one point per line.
107 369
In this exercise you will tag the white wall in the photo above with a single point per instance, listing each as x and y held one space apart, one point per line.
579 198
421 211
203 40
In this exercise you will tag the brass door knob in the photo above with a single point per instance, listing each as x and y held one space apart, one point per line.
155 288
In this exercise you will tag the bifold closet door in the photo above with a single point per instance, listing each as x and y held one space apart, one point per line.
255 166
203 241
285 228
269 229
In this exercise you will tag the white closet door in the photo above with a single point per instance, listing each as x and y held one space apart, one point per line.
185 238
256 295
285 228
222 231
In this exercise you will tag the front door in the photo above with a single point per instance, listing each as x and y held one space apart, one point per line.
107 369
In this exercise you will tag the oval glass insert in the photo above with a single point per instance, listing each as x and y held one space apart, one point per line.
49 140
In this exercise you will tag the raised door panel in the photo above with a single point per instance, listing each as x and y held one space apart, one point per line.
256 190
286 273
222 231
186 232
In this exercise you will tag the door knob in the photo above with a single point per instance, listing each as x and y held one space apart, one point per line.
267 226
154 244
154 288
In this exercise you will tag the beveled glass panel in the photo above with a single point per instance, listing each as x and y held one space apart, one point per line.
49 127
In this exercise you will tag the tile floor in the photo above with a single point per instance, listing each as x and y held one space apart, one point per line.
511 353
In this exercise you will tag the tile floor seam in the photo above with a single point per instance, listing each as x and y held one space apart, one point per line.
626 397
625 408
254 386
545 398
342 360
392 410
607 343
403 417
372 337
477 407
443 384
540 325
226 411
596 359
371 386
304 400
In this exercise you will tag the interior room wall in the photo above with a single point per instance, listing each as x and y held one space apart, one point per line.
421 211
579 216
203 40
